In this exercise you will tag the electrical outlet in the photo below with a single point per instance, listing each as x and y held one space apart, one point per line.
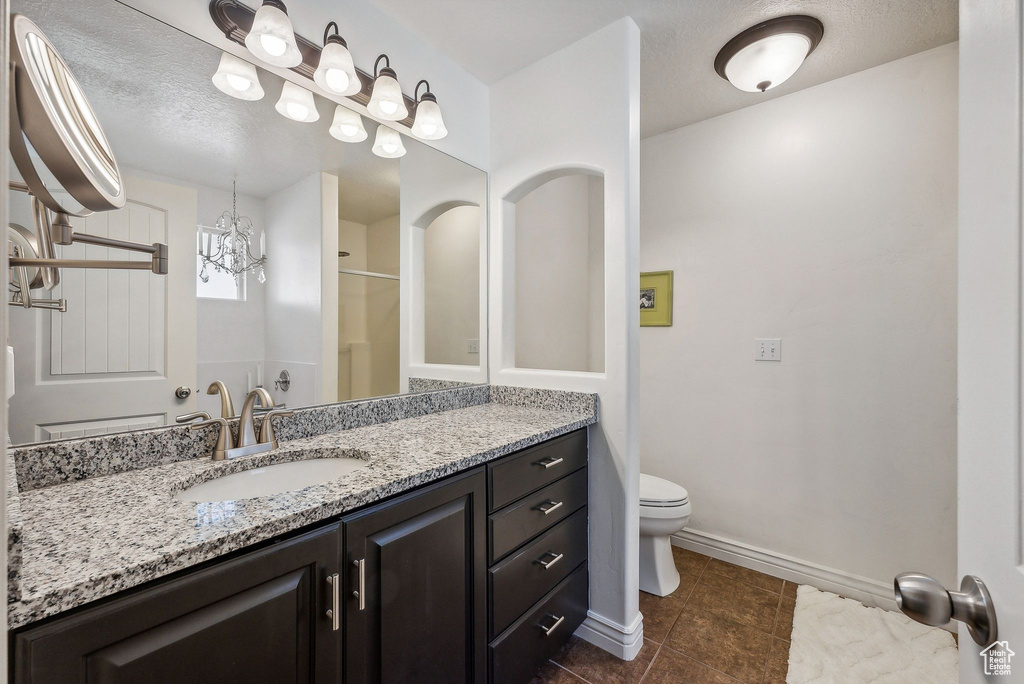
768 349
473 346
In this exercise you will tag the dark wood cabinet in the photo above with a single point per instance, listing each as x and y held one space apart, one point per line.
415 601
256 618
418 602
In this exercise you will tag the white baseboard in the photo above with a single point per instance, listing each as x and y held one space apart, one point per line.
620 640
867 591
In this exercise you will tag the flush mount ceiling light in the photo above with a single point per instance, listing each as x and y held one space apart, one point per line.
347 125
336 72
271 37
767 54
297 104
388 143
386 101
237 78
428 124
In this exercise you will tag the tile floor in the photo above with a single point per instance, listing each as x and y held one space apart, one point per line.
724 624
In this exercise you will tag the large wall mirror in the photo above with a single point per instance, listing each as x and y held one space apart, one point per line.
374 281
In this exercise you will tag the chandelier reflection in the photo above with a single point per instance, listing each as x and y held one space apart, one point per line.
229 249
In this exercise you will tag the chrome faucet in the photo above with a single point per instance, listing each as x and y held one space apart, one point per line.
227 409
248 443
246 429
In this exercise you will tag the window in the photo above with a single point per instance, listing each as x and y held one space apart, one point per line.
217 283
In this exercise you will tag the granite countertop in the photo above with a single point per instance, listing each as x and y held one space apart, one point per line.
91 538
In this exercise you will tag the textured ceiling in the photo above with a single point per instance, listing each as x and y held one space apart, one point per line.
680 38
150 86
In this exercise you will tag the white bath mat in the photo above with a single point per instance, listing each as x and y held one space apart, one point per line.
840 641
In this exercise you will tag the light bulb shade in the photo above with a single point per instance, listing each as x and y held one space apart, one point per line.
237 78
271 37
388 143
297 104
766 55
347 125
386 101
336 72
428 124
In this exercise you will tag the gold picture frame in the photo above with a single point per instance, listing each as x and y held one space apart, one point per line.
656 298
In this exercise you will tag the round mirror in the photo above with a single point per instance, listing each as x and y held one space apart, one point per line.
54 129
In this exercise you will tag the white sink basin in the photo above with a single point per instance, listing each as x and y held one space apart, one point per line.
272 479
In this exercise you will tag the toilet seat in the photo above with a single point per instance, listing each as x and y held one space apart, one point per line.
656 492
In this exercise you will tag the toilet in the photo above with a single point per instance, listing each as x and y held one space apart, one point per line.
664 510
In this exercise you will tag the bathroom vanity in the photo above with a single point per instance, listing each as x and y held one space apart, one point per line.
478 575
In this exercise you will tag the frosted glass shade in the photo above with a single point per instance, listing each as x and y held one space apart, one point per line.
768 62
428 124
237 78
388 143
336 72
271 37
347 125
386 101
297 104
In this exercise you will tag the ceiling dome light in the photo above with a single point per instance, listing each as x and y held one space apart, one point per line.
388 143
297 104
386 101
347 125
765 55
271 37
428 124
237 78
336 72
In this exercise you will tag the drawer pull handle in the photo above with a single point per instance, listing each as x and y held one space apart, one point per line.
333 612
548 564
548 462
551 506
360 593
548 630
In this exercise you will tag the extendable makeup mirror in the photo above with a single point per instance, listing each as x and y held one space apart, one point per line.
56 140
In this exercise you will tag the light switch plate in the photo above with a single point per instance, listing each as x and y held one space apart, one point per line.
768 349
473 346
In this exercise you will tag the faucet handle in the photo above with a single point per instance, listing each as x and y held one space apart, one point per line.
225 440
267 426
189 417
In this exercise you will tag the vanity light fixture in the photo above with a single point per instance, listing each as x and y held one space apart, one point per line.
386 101
347 125
271 37
336 72
237 78
297 103
767 54
428 124
388 143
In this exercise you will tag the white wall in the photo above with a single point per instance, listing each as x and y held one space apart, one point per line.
578 109
827 218
369 32
382 306
301 294
560 275
451 286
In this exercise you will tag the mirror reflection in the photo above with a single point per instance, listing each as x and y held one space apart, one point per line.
313 267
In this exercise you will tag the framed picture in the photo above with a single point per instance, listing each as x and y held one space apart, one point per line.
656 298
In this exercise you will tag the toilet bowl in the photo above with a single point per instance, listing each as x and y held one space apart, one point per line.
664 510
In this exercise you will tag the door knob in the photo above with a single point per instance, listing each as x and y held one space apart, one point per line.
924 599
183 392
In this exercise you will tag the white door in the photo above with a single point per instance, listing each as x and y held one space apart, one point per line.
112 362
990 468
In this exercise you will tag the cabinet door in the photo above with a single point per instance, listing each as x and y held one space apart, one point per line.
260 617
415 594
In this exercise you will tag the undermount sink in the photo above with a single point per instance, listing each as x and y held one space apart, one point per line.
271 479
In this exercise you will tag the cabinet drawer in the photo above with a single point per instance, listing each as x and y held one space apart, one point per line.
525 576
516 476
536 512
519 652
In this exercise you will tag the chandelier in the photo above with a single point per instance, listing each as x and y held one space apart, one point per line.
230 251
